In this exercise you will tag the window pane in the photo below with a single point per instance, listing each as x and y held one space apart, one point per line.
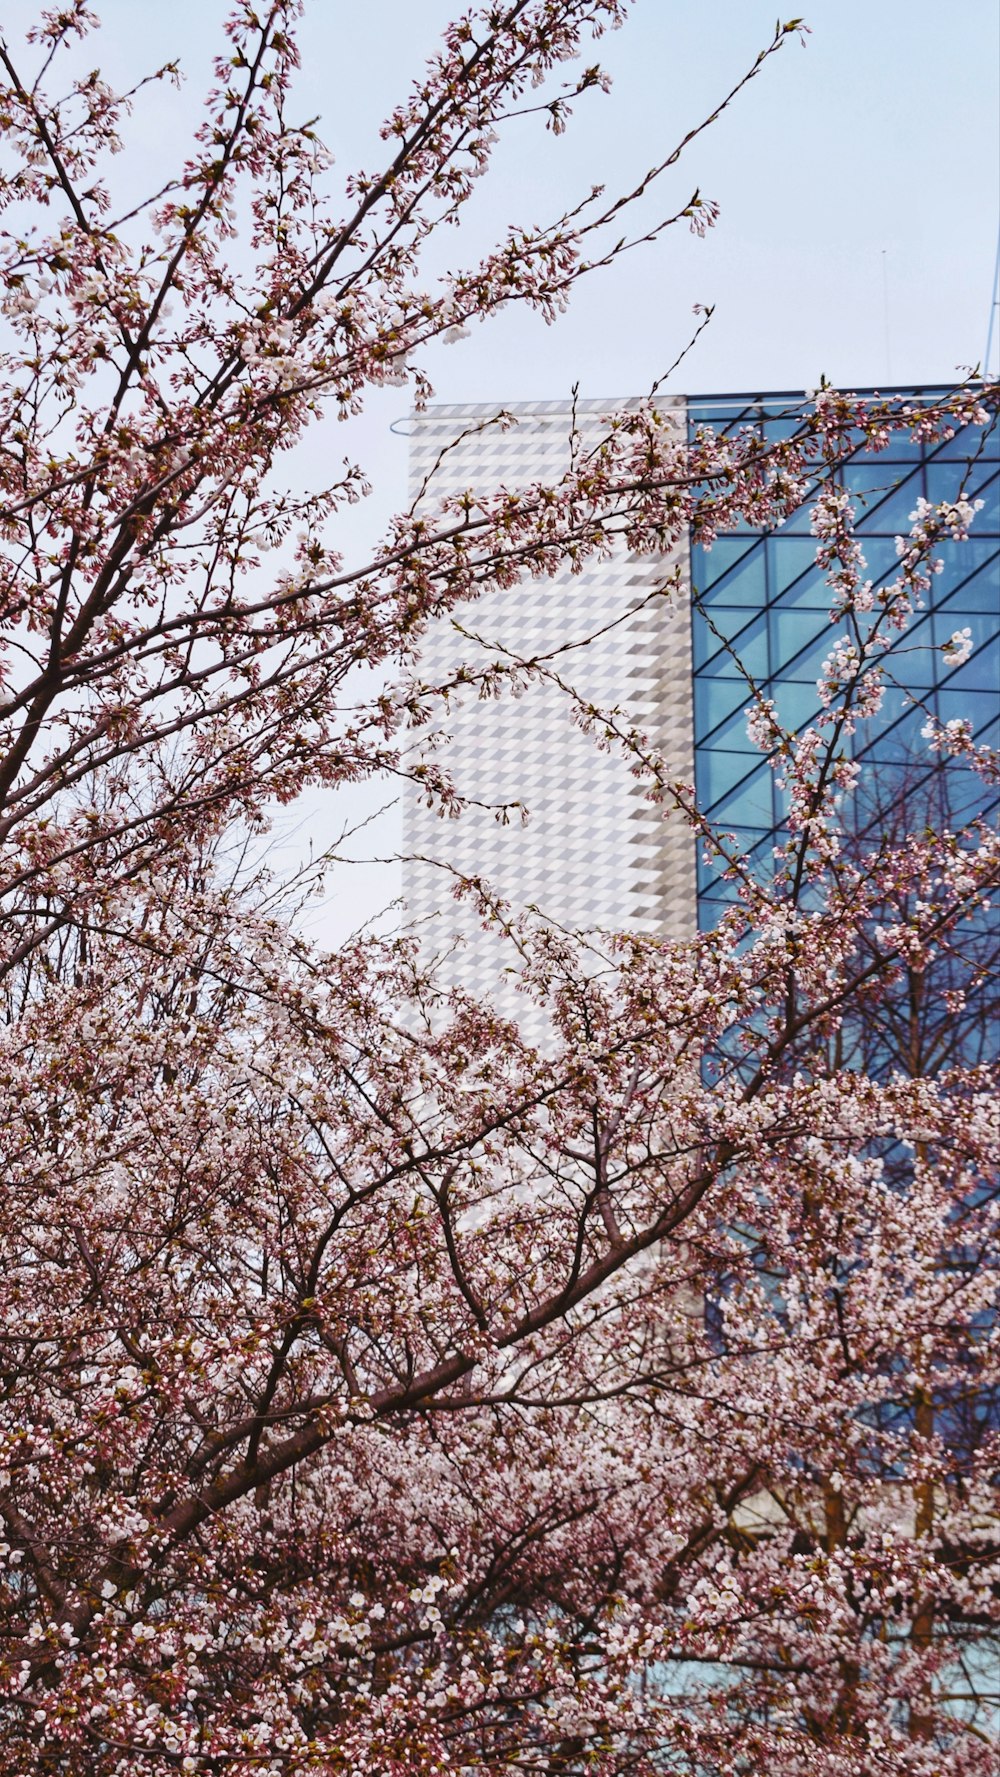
788 558
708 565
948 620
966 443
798 704
732 734
980 673
715 700
749 641
750 803
977 707
741 582
891 515
871 481
880 557
980 592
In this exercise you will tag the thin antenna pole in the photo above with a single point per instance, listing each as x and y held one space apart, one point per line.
994 305
885 318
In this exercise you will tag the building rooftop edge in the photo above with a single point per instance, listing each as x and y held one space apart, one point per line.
740 398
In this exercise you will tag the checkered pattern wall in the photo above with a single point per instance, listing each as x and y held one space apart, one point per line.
593 853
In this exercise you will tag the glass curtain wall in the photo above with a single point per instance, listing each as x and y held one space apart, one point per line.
762 594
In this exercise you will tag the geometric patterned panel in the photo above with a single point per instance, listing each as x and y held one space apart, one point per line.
593 853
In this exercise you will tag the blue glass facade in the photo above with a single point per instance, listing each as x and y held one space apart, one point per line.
762 594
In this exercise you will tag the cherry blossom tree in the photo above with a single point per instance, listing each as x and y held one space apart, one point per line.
380 1393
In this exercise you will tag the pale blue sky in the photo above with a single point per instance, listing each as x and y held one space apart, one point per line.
858 183
880 138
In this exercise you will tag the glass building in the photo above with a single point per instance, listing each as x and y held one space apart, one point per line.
763 595
595 854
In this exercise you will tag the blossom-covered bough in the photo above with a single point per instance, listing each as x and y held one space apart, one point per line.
381 1394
